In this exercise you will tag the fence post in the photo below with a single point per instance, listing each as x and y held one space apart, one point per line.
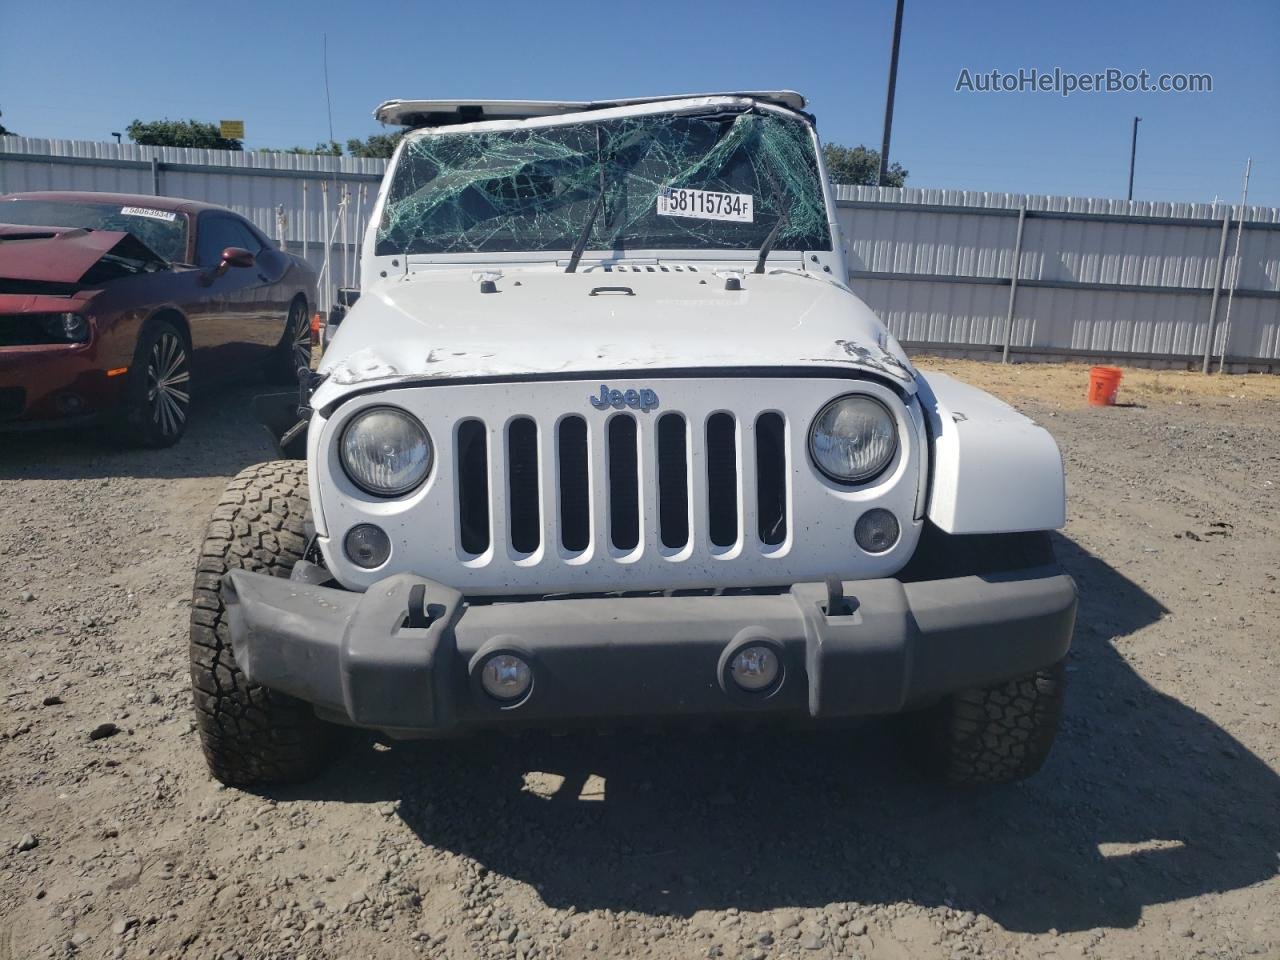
1013 281
155 176
1217 289
305 223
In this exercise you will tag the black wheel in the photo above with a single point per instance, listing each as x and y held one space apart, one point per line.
1001 733
294 349
250 734
158 396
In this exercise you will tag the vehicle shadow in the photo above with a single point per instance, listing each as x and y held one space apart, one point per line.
1143 801
223 437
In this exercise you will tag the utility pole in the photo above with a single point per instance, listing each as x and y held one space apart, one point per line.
888 100
117 136
1133 154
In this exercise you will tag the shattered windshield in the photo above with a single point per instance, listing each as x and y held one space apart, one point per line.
163 231
669 182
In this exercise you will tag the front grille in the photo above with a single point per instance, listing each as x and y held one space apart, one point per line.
473 486
522 495
575 485
661 479
624 483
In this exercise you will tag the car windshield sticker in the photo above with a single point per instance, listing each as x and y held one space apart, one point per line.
704 204
725 180
149 212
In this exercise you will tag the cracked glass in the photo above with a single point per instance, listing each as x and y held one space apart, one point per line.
534 189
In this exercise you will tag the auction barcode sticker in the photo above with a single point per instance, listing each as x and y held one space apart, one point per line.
705 205
149 212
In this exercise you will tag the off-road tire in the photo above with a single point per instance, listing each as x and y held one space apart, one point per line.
250 734
1001 733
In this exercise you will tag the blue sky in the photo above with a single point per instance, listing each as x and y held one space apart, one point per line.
81 70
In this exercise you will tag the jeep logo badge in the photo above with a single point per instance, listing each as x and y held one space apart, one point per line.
645 400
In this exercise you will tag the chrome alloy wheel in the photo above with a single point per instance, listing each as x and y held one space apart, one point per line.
167 379
299 337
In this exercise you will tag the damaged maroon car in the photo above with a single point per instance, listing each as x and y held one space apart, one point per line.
115 307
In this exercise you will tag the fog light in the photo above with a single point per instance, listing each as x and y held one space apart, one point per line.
754 668
506 677
367 546
876 530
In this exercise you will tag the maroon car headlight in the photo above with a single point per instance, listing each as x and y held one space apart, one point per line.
37 329
68 327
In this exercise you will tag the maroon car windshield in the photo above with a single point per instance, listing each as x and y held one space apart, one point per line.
163 231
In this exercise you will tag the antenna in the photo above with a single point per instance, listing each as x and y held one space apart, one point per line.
328 100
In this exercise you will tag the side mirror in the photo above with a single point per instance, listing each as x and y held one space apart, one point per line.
235 257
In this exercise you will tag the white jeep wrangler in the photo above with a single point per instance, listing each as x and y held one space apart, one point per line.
607 437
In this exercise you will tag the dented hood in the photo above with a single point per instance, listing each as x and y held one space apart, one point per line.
443 325
61 254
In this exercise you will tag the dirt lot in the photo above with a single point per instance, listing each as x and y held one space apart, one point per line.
1152 832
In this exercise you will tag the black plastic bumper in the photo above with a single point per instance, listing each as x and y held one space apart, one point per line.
894 646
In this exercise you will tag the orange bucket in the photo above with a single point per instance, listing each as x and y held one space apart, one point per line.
1104 384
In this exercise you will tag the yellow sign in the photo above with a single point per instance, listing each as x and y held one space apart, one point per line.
232 129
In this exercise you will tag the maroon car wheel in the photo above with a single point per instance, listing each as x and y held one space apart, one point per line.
294 349
155 413
168 383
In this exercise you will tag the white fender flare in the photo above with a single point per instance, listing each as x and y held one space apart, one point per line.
992 470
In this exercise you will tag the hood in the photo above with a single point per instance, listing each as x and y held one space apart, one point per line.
65 255
442 324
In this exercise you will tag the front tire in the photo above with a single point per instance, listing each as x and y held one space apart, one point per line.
158 395
1001 733
250 734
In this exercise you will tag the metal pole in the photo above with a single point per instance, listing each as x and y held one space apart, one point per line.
1235 273
1217 290
305 225
155 176
888 100
1013 282
325 276
343 209
1133 154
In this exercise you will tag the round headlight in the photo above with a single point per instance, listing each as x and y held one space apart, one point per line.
853 439
385 451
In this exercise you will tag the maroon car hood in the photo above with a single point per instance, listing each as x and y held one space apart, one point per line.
55 254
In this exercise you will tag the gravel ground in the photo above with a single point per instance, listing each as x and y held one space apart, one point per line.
1153 831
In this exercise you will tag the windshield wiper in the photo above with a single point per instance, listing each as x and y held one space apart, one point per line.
772 238
581 243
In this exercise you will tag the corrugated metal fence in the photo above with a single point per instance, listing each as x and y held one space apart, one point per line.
978 272
1095 278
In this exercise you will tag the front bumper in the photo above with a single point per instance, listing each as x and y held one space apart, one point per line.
54 385
898 646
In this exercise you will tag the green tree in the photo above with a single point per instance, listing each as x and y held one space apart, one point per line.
180 133
858 165
330 149
380 145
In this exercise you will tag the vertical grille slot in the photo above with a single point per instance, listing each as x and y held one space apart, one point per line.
575 490
624 483
473 486
771 478
722 480
522 477
673 481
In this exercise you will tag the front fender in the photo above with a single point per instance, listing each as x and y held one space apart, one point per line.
993 469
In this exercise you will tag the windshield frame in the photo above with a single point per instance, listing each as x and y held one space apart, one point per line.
828 260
